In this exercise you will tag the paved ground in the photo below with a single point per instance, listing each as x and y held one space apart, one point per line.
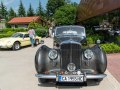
114 65
17 72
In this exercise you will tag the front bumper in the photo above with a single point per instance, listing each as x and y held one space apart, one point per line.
5 46
86 76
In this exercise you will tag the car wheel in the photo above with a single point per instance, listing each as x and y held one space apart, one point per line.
16 46
41 80
36 42
97 81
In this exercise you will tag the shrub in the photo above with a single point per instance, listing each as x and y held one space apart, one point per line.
110 48
36 25
117 40
7 32
41 32
5 35
90 40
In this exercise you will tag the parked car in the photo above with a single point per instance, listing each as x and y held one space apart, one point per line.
70 60
18 40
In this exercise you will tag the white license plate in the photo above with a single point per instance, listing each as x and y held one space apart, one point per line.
75 78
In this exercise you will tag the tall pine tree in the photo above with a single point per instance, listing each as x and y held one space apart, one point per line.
40 11
11 13
21 10
3 10
30 11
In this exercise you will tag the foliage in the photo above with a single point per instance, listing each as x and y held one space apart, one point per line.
110 48
21 10
40 10
39 29
35 25
30 11
117 40
65 15
53 5
41 32
11 13
7 32
4 35
3 10
90 40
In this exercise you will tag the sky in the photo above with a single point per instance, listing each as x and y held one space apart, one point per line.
15 3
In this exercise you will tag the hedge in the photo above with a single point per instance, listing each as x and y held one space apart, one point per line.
5 35
10 31
111 48
13 30
41 32
7 32
93 38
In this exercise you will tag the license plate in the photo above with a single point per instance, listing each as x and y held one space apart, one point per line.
75 78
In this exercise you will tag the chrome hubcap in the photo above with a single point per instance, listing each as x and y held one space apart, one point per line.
17 46
37 42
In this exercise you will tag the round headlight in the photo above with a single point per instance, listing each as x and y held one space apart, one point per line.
88 54
71 67
53 54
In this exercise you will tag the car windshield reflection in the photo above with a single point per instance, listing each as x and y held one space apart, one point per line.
17 35
66 31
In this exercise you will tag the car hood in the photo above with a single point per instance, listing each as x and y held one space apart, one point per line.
7 39
63 39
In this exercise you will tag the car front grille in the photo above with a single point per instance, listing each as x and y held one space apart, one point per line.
70 53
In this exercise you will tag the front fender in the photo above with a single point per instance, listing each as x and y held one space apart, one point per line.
43 62
101 60
41 59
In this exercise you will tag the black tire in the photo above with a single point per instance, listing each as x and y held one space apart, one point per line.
16 46
97 81
42 81
37 42
42 42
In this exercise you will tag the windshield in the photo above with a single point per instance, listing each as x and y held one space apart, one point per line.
73 30
17 35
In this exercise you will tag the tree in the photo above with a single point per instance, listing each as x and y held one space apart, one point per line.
11 13
3 10
30 11
65 15
68 1
53 5
21 10
40 11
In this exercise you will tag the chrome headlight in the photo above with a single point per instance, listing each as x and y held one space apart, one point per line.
71 67
88 54
9 43
53 54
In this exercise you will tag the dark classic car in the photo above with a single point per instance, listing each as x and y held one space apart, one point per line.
70 60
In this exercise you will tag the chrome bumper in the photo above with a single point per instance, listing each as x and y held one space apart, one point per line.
97 76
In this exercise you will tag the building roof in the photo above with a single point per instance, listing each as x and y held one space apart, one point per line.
90 8
23 20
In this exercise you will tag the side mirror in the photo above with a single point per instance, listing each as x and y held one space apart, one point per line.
53 35
98 42
42 42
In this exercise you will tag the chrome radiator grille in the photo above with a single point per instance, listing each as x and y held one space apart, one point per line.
70 53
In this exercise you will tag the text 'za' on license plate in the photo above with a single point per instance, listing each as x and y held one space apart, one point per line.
75 78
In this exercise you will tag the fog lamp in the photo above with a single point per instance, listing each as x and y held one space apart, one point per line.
71 67
53 54
88 54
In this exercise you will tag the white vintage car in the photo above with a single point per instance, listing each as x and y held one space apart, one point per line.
18 40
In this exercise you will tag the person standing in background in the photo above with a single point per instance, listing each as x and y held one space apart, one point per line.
31 33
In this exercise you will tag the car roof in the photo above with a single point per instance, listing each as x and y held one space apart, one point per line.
23 32
70 26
